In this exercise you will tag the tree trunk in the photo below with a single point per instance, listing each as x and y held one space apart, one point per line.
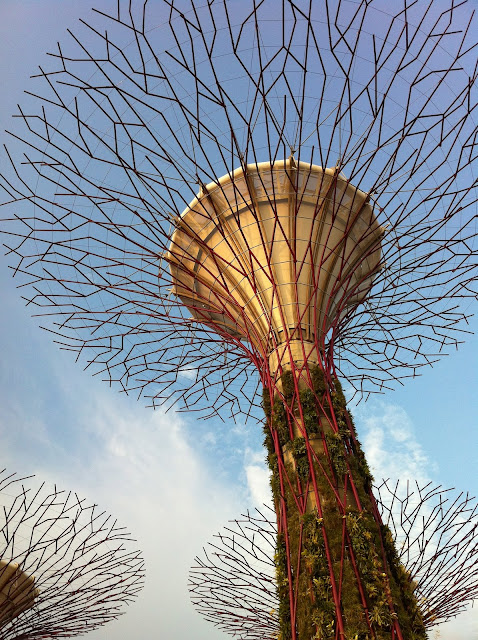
338 574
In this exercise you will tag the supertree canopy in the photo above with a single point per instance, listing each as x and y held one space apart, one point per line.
233 583
262 194
65 567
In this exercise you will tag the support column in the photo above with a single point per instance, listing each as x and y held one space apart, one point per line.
338 573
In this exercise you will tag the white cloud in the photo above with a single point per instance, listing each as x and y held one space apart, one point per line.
394 451
258 483
464 627
188 372
142 467
257 476
391 446
209 438
162 490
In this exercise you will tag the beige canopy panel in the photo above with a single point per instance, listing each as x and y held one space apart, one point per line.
17 592
276 253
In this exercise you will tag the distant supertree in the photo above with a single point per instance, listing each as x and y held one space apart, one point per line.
65 567
233 584
265 193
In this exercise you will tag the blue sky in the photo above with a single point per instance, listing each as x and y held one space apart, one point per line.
171 480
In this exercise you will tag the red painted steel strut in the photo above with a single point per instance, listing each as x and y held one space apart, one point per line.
332 500
240 193
233 583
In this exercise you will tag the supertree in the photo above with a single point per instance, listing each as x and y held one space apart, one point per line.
265 194
233 583
65 567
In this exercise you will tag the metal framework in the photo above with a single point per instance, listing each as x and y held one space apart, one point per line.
233 583
265 194
65 567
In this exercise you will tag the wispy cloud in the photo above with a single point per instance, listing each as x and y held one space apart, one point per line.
394 451
464 627
391 444
257 475
173 483
142 467
175 505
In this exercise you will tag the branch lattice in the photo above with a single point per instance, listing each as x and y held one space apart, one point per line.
233 585
130 121
65 567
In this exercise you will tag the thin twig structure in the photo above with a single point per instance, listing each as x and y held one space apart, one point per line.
66 568
233 582
262 195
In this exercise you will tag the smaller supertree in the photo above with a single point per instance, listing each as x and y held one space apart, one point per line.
435 530
65 567
233 585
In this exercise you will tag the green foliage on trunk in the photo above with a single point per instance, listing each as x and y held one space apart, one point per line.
309 411
280 422
335 447
337 455
299 451
322 615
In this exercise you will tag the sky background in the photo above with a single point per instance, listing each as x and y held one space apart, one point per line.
171 480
